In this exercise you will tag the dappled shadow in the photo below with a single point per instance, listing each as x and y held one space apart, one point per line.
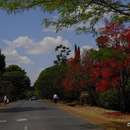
90 126
24 109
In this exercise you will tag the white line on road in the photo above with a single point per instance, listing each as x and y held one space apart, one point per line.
25 127
3 121
21 119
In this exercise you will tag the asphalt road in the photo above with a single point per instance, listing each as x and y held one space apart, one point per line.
40 115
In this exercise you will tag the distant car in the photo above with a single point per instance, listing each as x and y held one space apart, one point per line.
33 98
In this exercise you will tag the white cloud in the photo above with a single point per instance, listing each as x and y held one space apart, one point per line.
22 41
29 46
87 47
39 47
47 44
13 57
49 29
11 53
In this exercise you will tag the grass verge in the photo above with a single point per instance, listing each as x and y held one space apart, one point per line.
108 119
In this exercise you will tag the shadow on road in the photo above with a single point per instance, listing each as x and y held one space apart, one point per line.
90 126
24 109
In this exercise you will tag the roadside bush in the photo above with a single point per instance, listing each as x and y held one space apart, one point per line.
110 99
71 96
128 97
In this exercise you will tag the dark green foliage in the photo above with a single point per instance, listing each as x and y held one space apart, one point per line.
107 53
71 96
11 68
110 99
2 63
50 81
17 77
6 88
128 96
13 81
128 101
30 92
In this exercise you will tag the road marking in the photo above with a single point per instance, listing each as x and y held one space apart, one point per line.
21 119
25 127
3 121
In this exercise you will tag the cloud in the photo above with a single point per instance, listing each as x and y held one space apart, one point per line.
22 41
87 47
39 47
13 57
47 44
28 46
11 52
49 29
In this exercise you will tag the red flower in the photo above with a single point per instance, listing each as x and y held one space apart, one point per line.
102 41
102 85
106 73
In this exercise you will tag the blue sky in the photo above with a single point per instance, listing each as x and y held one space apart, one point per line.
25 41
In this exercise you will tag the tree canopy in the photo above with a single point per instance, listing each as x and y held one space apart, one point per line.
15 77
85 13
2 62
11 68
50 81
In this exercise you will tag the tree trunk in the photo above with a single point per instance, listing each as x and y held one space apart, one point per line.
122 99
93 95
122 90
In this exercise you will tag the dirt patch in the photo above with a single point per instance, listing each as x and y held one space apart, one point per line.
110 120
2 104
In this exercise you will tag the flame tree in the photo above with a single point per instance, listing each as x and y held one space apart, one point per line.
111 67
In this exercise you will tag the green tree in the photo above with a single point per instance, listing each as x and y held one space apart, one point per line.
73 12
30 92
6 88
50 81
2 63
19 80
11 68
2 69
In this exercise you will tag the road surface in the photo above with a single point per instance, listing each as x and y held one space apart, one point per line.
39 115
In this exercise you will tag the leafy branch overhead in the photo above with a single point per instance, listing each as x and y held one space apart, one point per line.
85 13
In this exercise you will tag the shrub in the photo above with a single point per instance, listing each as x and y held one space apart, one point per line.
128 97
110 99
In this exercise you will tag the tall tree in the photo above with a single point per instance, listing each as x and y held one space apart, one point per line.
112 62
50 81
2 62
74 78
20 81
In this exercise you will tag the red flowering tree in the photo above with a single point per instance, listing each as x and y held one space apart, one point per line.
89 81
74 82
112 66
103 69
